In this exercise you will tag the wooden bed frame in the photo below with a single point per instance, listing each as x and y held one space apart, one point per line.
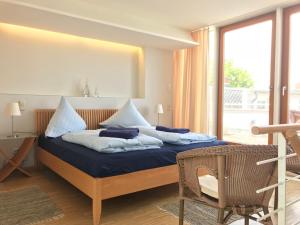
99 189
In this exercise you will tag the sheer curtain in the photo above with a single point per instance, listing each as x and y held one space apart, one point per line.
191 85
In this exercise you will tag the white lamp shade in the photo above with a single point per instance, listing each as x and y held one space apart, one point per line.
13 109
160 109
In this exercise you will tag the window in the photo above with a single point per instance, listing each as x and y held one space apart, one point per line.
290 86
246 73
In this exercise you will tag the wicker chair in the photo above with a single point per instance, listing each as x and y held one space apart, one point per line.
293 141
292 164
236 175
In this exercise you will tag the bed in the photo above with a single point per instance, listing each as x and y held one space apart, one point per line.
100 175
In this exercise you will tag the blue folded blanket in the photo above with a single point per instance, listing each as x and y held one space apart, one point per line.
123 129
114 133
173 130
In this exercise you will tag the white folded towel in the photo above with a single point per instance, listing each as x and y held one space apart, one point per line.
91 139
177 138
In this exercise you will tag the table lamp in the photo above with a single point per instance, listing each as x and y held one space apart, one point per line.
13 109
160 110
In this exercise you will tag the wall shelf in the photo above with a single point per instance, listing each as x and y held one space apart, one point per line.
18 13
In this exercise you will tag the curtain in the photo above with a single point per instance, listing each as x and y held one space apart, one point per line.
191 85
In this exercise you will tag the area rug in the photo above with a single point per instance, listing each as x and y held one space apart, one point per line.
27 206
195 214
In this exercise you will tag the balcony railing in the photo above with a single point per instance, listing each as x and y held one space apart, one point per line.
257 99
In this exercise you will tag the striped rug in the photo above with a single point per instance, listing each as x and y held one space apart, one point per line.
27 206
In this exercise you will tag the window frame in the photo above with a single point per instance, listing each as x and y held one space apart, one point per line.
284 99
231 27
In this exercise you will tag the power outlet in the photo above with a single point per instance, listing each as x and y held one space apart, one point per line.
169 108
15 151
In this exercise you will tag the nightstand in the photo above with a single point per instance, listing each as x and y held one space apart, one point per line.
15 162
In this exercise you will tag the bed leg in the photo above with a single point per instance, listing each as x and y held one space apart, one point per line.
97 206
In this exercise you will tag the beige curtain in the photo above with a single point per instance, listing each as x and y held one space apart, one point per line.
191 85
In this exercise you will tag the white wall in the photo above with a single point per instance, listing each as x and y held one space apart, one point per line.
158 69
158 89
40 62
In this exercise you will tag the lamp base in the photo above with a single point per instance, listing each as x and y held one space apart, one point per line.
13 135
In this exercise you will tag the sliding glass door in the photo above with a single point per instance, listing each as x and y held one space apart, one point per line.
246 77
290 86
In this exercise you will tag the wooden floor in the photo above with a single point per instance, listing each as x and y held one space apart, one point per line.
134 209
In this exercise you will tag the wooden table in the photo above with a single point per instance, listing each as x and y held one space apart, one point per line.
15 162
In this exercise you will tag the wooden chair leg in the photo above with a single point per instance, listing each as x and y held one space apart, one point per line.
221 216
276 199
266 211
227 217
181 211
247 219
97 206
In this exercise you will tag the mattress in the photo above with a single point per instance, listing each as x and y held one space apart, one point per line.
101 165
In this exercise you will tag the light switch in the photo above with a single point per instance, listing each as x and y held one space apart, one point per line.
22 105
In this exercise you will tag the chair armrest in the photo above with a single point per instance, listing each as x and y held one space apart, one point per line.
190 161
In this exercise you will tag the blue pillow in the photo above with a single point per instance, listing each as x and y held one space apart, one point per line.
127 116
64 120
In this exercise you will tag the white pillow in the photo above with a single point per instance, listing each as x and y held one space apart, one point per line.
127 116
64 120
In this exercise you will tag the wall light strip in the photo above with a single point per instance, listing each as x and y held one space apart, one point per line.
40 34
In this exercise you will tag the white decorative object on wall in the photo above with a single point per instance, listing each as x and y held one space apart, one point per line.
86 89
96 93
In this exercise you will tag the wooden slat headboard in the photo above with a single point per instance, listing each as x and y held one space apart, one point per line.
92 117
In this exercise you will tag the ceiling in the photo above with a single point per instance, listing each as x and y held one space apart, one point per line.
185 14
156 23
